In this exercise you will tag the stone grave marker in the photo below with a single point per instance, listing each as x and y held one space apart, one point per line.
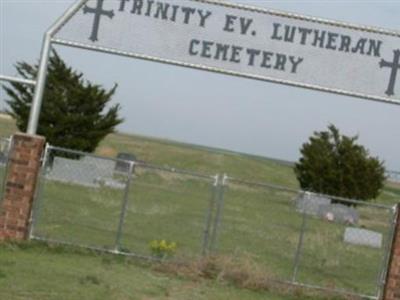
339 213
310 203
88 171
363 237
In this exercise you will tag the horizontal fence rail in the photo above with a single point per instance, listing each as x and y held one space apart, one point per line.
156 212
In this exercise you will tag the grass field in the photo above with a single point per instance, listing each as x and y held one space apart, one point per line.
203 159
259 224
38 272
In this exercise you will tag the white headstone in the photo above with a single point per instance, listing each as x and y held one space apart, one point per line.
363 237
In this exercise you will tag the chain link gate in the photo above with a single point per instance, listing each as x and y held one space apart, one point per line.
297 237
306 239
121 206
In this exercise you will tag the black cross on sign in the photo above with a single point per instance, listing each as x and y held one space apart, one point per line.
98 12
395 65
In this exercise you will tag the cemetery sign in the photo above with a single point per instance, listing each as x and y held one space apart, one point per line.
244 41
236 40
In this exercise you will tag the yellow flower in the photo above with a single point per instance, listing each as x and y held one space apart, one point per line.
162 248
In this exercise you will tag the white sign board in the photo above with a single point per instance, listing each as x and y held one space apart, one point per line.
243 41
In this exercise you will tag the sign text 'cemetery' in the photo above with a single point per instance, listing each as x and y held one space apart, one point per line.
243 41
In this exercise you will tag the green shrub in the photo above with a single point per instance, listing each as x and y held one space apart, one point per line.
335 164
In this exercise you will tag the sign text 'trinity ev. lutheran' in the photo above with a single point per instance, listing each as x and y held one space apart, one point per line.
243 41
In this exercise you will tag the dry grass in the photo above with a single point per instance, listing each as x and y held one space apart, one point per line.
5 116
107 151
393 184
242 272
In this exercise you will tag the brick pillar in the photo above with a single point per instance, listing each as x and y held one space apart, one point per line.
392 288
20 184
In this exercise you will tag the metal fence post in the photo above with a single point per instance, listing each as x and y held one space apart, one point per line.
124 208
299 247
38 192
220 206
206 237
9 148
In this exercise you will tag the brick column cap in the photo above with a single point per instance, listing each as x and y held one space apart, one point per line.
30 136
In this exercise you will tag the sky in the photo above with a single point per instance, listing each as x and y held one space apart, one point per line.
216 110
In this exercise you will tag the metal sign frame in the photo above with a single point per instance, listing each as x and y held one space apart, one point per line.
17 80
49 40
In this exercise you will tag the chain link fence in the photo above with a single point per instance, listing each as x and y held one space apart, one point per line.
118 205
308 239
5 148
297 237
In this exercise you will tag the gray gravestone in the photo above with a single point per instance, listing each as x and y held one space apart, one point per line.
310 203
88 171
363 237
73 171
339 213
122 165
104 167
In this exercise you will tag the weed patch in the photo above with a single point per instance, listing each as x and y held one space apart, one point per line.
241 272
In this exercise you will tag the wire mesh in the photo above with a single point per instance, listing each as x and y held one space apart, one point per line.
344 247
5 147
166 204
306 239
260 222
293 236
80 199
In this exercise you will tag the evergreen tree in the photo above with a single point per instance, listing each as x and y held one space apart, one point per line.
73 114
335 164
